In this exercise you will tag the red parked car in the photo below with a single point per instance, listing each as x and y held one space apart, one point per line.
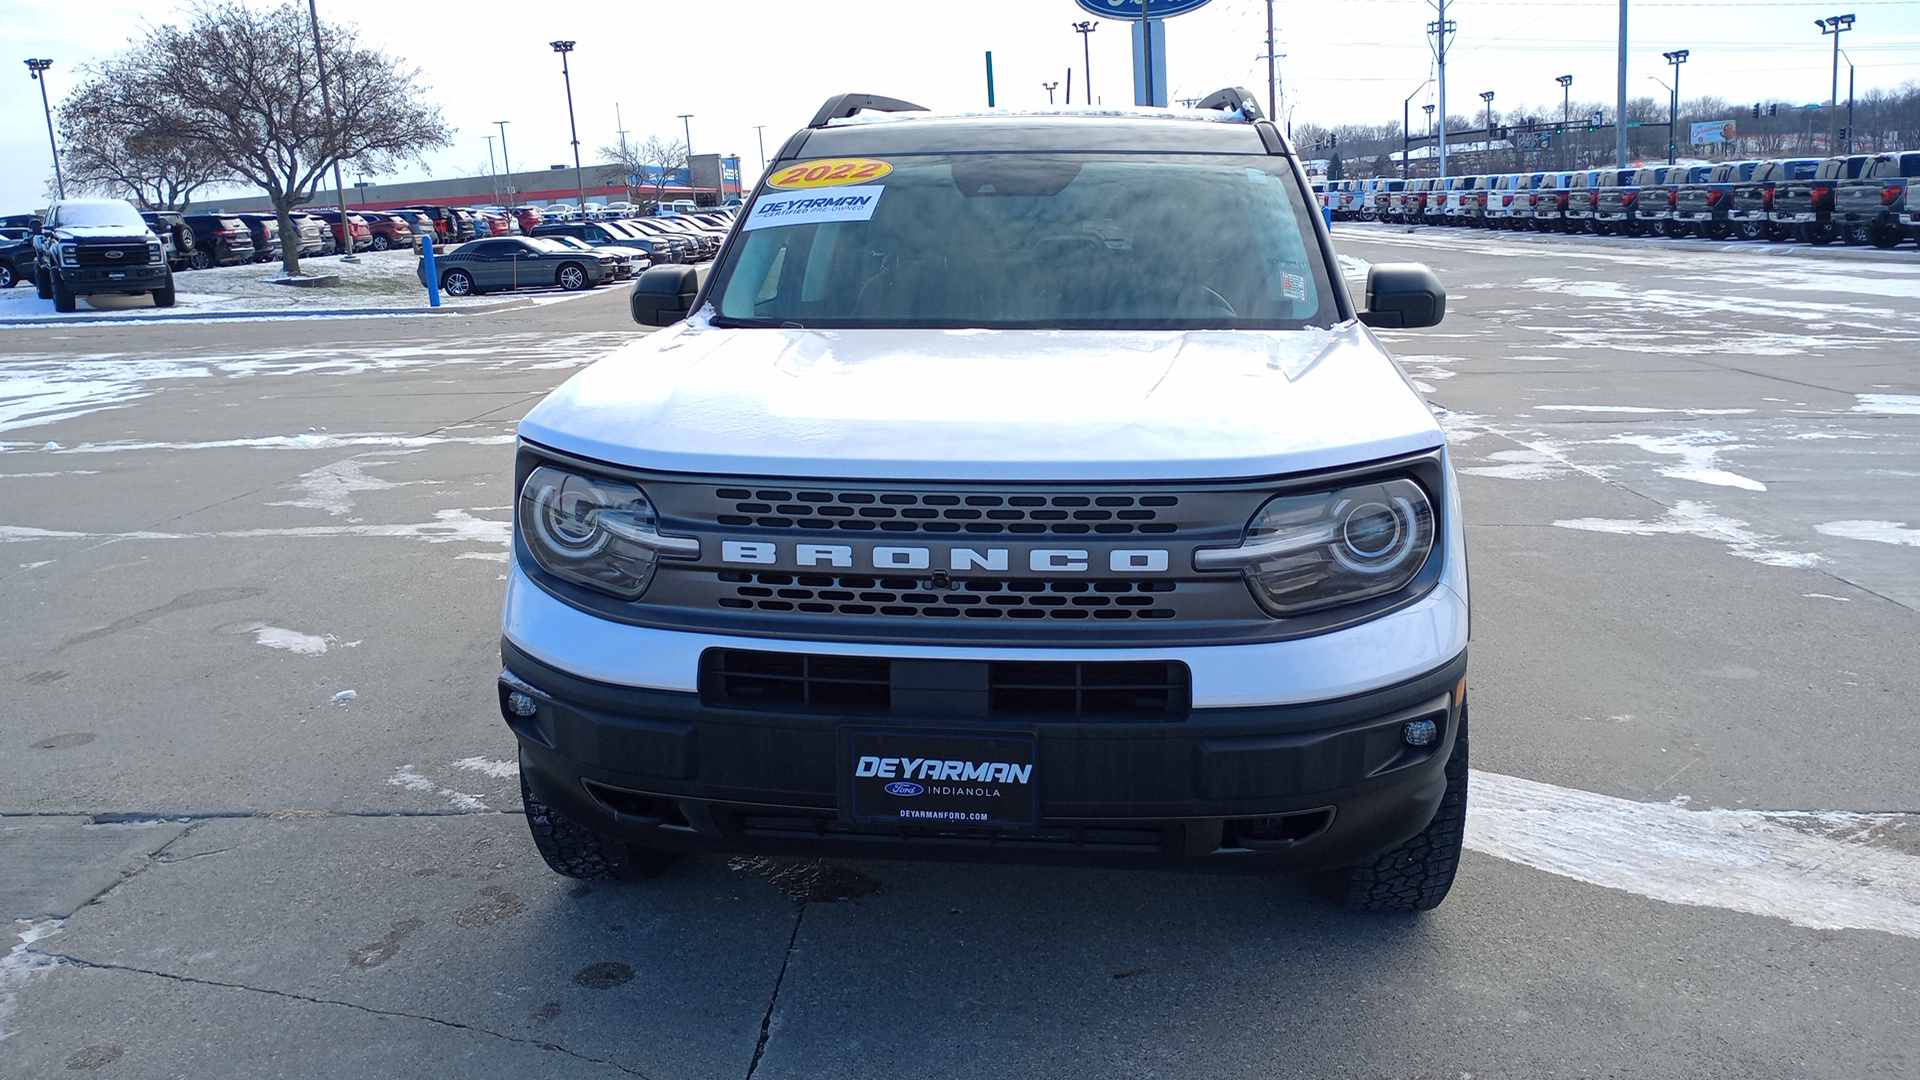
529 216
389 230
362 235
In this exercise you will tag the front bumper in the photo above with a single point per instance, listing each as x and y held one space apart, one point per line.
1298 787
130 279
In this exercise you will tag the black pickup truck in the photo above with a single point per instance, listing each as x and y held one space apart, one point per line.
85 247
1752 208
1806 206
1869 209
1701 204
1616 199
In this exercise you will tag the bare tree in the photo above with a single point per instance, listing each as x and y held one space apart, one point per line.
240 89
654 162
104 150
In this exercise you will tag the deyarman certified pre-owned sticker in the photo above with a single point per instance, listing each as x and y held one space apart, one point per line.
811 207
829 172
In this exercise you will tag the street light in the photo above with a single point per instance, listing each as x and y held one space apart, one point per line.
1566 115
506 163
1084 29
686 125
1849 60
760 132
579 181
1676 58
1050 87
1406 140
35 68
1835 25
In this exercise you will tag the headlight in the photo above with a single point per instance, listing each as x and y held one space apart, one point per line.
1303 553
69 255
595 532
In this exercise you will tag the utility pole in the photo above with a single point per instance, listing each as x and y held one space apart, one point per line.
760 132
686 127
36 70
1146 48
1084 29
1441 30
326 105
506 162
1620 104
1272 70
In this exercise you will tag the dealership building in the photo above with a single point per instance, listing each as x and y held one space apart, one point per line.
713 180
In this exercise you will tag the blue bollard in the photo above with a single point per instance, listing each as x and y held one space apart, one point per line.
430 272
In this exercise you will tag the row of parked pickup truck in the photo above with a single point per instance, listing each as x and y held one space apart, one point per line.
1856 199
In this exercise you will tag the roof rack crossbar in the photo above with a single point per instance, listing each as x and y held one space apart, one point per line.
841 106
1232 98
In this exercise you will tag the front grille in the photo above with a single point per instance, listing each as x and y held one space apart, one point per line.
111 255
1115 690
955 513
1031 599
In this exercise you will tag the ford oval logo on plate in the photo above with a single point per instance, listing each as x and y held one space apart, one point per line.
904 787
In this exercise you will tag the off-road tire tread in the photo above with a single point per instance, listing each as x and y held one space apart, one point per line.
572 850
1417 875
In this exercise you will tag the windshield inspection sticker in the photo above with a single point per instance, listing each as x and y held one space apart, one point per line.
832 172
808 207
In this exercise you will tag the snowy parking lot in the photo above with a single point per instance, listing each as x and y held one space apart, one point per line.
259 813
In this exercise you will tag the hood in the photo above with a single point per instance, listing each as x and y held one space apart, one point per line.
976 404
106 232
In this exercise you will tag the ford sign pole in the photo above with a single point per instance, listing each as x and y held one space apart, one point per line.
432 275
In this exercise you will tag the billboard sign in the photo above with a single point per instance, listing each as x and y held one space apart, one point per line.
1133 9
1712 133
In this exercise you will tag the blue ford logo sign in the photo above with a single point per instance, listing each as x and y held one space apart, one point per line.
904 787
1131 9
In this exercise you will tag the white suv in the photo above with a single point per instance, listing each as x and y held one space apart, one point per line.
987 502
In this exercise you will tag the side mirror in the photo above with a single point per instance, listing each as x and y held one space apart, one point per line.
1403 296
664 295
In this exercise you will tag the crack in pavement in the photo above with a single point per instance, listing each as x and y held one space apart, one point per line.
454 1024
766 1020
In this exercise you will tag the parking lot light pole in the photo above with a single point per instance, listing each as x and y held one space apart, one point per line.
35 69
506 163
326 106
1086 90
1676 58
1050 87
1566 115
1835 26
686 128
1406 136
579 180
760 133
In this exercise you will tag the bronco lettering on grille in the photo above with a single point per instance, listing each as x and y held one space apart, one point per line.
962 559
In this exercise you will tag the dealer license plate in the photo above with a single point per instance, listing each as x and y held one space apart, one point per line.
942 778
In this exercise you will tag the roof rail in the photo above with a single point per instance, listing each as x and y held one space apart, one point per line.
841 106
1234 97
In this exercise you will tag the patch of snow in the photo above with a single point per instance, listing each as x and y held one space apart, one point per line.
23 962
1640 409
345 696
499 770
405 777
1898 404
1698 453
488 556
1698 519
332 487
1879 532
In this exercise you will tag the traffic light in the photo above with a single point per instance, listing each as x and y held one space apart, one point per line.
1333 139
1773 110
1756 110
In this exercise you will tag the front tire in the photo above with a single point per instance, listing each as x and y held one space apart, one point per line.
164 295
572 850
62 296
7 280
572 277
1417 875
41 285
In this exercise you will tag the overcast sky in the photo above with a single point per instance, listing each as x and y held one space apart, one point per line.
735 64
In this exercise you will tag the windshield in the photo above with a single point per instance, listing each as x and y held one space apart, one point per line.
101 213
1098 241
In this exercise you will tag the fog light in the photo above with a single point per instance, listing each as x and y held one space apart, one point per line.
1420 732
523 705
